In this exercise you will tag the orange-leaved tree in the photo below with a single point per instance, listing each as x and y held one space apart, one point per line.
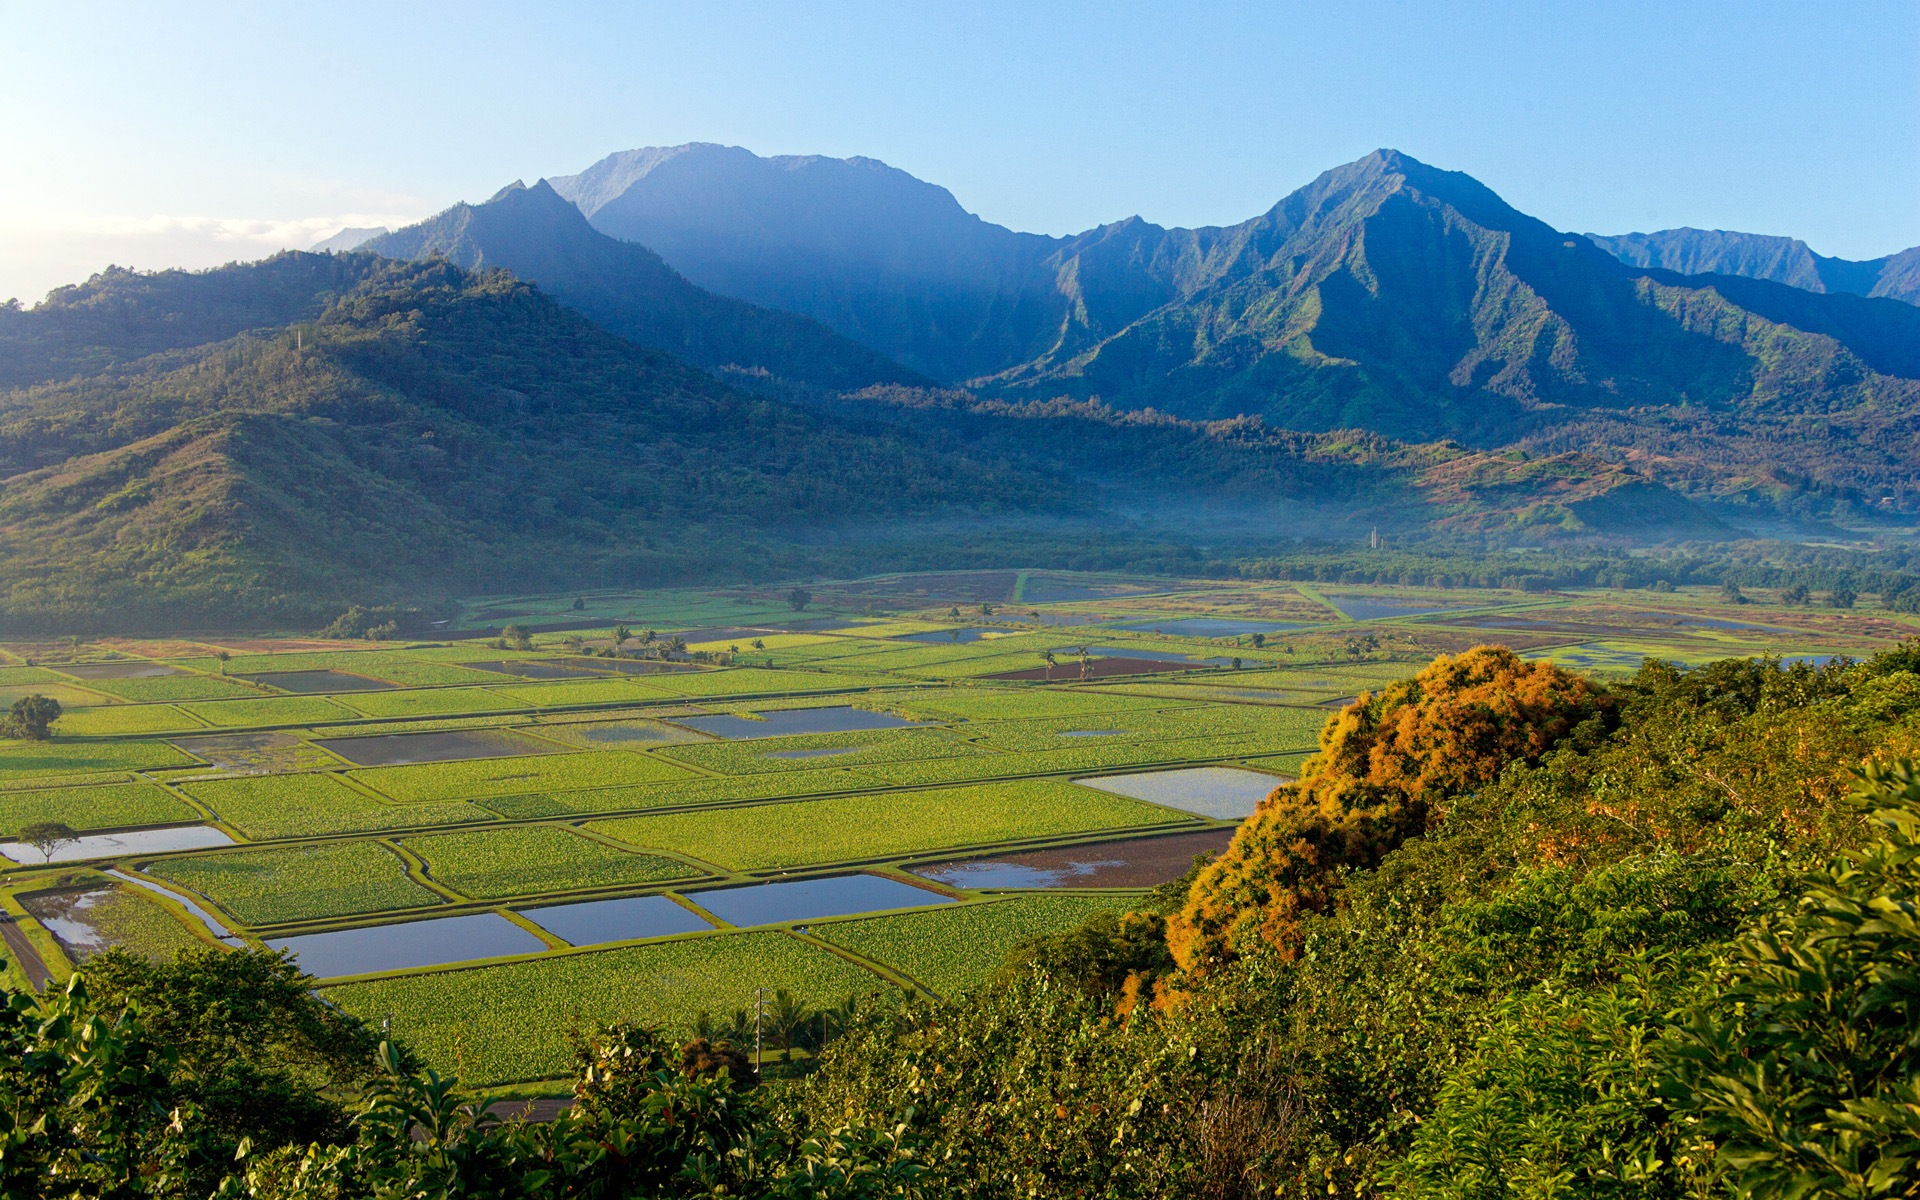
1388 764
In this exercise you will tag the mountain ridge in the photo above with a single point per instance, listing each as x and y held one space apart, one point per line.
1785 260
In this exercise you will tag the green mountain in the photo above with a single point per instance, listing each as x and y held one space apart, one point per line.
626 289
418 431
1762 256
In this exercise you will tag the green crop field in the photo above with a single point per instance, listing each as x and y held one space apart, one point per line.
807 751
845 828
133 920
521 773
172 687
508 1022
582 691
21 761
692 791
107 806
299 883
492 864
437 702
308 805
9 676
949 950
122 719
276 710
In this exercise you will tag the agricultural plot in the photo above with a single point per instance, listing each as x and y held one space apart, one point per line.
87 922
476 778
634 733
695 790
850 828
119 720
584 691
823 750
265 807
11 676
106 806
749 681
509 1022
1000 704
493 864
438 702
299 883
22 761
948 950
277 710
182 686
69 696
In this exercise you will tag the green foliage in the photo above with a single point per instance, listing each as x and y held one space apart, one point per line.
31 718
494 863
1801 1059
278 710
22 761
953 949
299 883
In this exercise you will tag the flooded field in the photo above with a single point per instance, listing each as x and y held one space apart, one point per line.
1098 668
1130 863
1374 608
430 943
958 637
314 683
810 899
625 666
1223 793
782 722
119 670
397 749
120 845
625 919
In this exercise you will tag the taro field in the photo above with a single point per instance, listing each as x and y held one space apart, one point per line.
661 802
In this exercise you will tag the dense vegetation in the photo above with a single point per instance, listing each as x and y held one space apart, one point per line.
1649 941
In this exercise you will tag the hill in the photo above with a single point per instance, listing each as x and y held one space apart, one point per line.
427 431
626 289
1762 256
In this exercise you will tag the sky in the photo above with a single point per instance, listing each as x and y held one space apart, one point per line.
191 134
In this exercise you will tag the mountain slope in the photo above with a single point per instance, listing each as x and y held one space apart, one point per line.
868 250
1762 256
627 290
431 431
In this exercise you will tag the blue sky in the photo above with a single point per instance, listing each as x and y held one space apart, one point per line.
190 134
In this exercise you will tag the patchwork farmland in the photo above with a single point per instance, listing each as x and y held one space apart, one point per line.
653 812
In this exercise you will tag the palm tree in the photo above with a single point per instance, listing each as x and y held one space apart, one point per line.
786 1021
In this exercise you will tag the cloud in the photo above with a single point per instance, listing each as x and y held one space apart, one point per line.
41 254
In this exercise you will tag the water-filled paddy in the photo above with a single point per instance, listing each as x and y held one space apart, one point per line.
398 749
193 906
811 899
1156 656
1372 608
1131 862
318 683
117 845
941 637
119 670
430 943
625 666
782 722
1224 793
629 918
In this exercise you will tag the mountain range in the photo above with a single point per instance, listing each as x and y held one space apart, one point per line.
1763 256
697 364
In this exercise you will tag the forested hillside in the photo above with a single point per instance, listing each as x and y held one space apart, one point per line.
1513 934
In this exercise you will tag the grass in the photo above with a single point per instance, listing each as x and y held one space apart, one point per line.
843 828
276 710
510 1022
315 803
26 760
521 773
299 883
958 947
123 719
495 863
108 806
